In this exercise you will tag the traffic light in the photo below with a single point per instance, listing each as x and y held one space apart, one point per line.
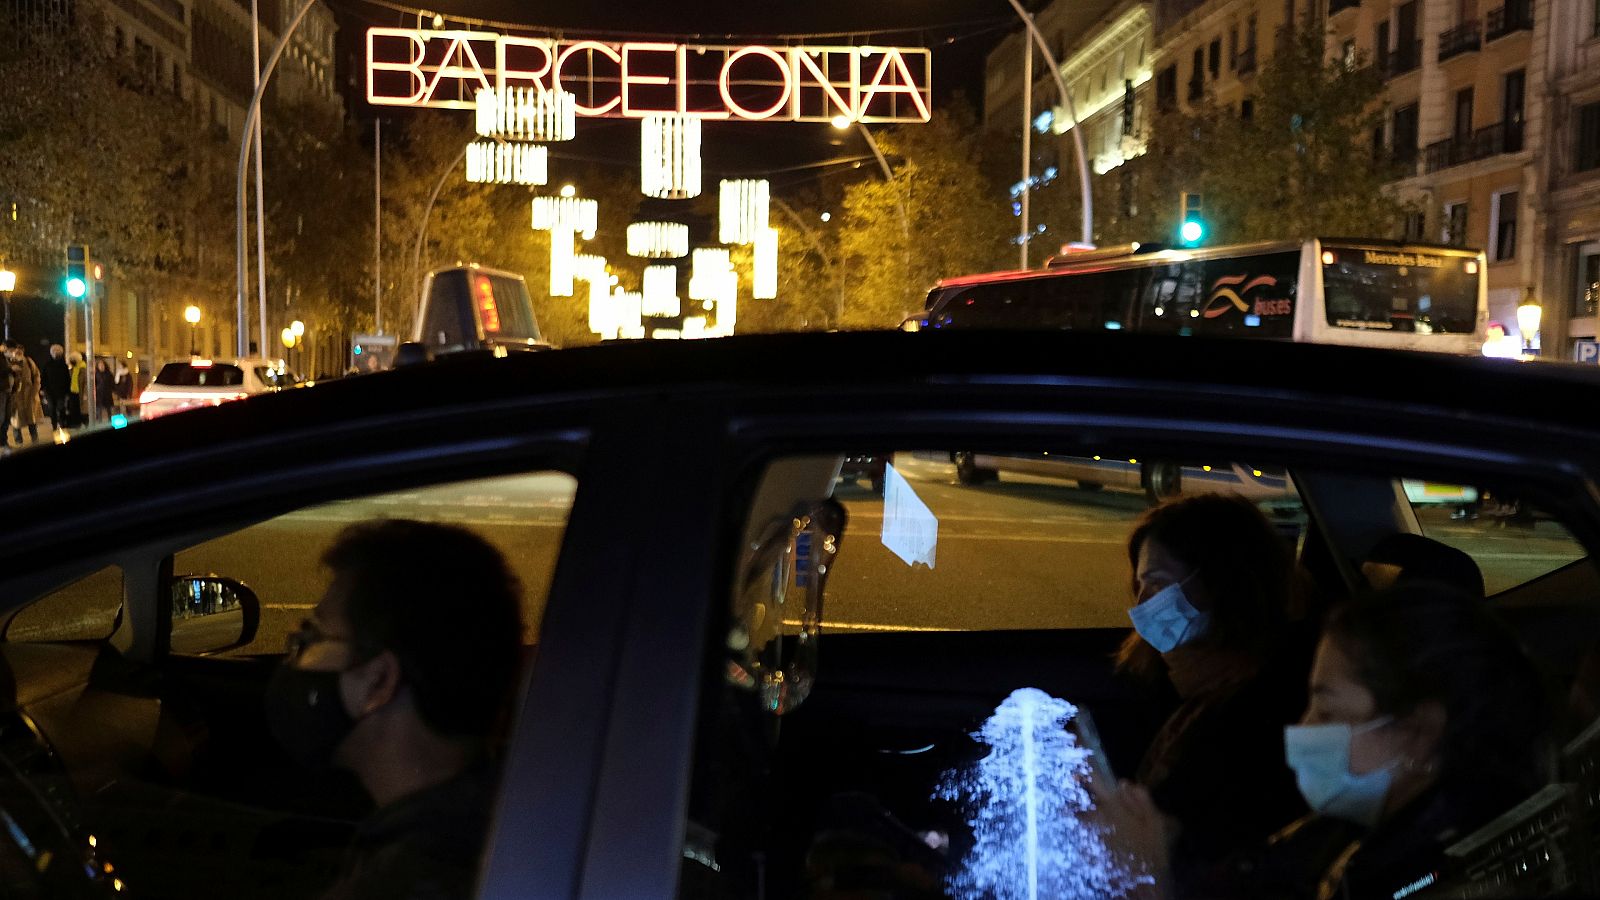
78 271
1192 225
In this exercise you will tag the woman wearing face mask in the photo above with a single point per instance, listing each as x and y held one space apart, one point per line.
1425 722
1214 620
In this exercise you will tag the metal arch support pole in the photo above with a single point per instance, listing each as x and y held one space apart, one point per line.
422 227
251 117
1077 132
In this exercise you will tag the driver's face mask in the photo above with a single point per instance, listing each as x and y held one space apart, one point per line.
1168 619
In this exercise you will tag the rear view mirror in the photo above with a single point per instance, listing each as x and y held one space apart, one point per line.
211 614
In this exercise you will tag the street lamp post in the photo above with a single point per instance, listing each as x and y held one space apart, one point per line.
191 314
8 283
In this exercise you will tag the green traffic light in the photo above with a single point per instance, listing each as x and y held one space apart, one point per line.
76 288
1192 231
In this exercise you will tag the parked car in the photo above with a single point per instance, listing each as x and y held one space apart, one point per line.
733 666
198 382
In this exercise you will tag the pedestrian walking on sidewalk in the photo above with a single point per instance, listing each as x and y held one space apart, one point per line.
56 379
105 399
25 408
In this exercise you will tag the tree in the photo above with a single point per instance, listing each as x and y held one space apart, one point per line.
932 219
1311 166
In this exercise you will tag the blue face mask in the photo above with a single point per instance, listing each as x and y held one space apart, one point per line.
1168 620
1320 758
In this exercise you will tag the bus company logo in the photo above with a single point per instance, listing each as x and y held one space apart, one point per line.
1224 297
1375 258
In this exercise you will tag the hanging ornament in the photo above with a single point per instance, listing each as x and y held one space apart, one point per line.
661 291
764 277
561 263
658 240
566 214
743 208
527 113
669 157
710 265
492 162
627 311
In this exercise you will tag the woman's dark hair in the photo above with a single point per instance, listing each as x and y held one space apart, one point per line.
1419 642
444 602
1244 568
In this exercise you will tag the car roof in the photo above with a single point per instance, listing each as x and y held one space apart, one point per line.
1538 392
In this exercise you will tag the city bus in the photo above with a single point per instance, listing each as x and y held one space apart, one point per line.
1369 292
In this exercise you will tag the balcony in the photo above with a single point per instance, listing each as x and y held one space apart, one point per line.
1464 38
1402 59
1516 15
1247 60
1482 144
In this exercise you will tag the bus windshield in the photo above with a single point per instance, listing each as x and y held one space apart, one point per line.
1400 290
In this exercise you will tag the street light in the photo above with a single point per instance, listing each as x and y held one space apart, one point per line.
298 327
8 283
1528 316
191 314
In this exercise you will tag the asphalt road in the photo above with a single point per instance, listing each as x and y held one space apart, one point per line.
1023 552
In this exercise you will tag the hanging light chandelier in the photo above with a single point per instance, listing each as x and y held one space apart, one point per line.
711 265
566 214
658 240
669 157
527 113
562 269
743 210
493 162
764 278
661 291
627 311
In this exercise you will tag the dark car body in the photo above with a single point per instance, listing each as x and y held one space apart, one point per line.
600 775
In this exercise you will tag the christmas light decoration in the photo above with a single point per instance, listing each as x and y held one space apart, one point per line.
627 310
658 240
490 162
528 113
710 264
764 278
743 210
669 157
661 291
561 263
566 214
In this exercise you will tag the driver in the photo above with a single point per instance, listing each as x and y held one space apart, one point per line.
400 676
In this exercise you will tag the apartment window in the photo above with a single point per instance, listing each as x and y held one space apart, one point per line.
1197 80
1233 47
1503 227
122 40
1141 47
1247 109
1586 296
1167 88
1588 149
1416 226
1463 125
1380 42
1377 142
1404 138
1288 12
1216 58
1455 224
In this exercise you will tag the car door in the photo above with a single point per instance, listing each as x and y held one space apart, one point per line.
646 838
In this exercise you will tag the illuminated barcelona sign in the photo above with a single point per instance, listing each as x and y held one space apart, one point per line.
751 82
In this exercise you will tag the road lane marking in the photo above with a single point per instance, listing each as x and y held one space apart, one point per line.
288 606
873 626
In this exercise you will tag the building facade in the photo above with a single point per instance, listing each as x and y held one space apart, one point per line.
1492 108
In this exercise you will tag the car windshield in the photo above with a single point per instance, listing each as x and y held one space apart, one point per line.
195 375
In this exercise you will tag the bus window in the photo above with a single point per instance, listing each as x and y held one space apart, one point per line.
1250 296
1121 294
1157 302
1401 290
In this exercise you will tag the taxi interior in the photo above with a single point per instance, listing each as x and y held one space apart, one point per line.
165 759
845 736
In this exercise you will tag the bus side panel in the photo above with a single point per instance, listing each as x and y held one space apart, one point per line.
1310 311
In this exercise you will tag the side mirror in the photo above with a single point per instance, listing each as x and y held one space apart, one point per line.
211 614
411 353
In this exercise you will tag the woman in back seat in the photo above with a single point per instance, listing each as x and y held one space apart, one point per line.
1216 619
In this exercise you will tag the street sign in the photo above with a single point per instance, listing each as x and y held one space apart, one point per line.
1587 352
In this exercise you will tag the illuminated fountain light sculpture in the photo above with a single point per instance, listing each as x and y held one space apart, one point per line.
527 113
658 240
511 162
669 157
1026 801
742 210
566 214
661 291
764 277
